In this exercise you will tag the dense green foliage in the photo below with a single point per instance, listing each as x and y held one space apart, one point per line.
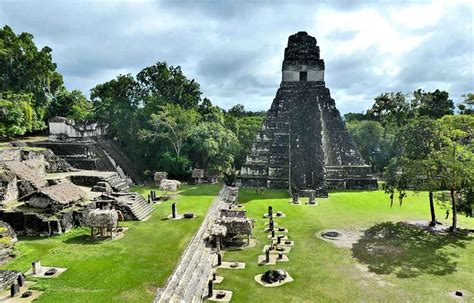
377 131
31 90
159 118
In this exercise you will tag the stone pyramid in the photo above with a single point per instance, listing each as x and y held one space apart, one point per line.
303 145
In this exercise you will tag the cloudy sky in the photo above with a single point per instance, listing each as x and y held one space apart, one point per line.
234 49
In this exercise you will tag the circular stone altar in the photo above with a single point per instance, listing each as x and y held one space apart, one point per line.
331 234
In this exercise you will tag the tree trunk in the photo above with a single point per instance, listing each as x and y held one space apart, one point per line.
432 209
455 211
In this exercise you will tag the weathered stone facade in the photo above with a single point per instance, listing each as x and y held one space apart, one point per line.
303 144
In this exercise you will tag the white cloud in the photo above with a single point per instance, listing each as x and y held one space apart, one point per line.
234 50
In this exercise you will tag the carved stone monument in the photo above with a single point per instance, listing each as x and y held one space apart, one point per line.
303 143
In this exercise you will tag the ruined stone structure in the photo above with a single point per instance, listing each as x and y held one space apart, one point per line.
85 146
303 144
40 194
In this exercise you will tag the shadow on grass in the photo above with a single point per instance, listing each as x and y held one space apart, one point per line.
83 239
407 250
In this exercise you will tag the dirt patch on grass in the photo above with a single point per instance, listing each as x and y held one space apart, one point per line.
370 276
345 238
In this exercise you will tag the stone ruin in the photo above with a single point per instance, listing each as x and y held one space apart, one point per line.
274 276
198 175
167 185
303 143
102 222
159 176
7 242
40 194
230 224
85 146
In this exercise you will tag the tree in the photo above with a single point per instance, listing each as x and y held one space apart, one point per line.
160 84
467 107
245 128
456 157
432 104
116 104
396 178
174 124
17 115
391 108
420 141
373 143
26 70
72 105
214 147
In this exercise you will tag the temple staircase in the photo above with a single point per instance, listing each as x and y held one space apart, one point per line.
124 163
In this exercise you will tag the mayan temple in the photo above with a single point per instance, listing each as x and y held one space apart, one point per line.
303 145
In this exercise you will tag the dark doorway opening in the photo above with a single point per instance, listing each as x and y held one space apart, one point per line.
303 76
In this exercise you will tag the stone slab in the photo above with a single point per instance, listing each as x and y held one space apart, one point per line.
294 203
218 279
227 265
5 294
273 259
286 249
284 230
60 270
276 236
226 298
283 242
258 279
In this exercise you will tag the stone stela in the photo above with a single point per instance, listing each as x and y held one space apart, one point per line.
303 143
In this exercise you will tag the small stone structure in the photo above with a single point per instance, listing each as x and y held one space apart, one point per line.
63 129
102 222
159 176
167 185
231 194
198 175
303 143
57 197
231 223
9 278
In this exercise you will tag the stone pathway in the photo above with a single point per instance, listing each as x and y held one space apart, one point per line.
190 277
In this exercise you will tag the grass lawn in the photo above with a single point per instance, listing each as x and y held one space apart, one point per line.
127 270
408 265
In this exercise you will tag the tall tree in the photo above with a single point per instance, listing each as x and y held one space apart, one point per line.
26 70
160 84
373 142
391 108
421 141
174 124
457 157
116 104
432 104
72 105
467 107
17 115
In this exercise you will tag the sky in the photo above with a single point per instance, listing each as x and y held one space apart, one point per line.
234 49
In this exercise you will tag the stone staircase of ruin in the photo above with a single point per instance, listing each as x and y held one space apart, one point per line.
189 280
267 162
140 208
118 184
131 169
